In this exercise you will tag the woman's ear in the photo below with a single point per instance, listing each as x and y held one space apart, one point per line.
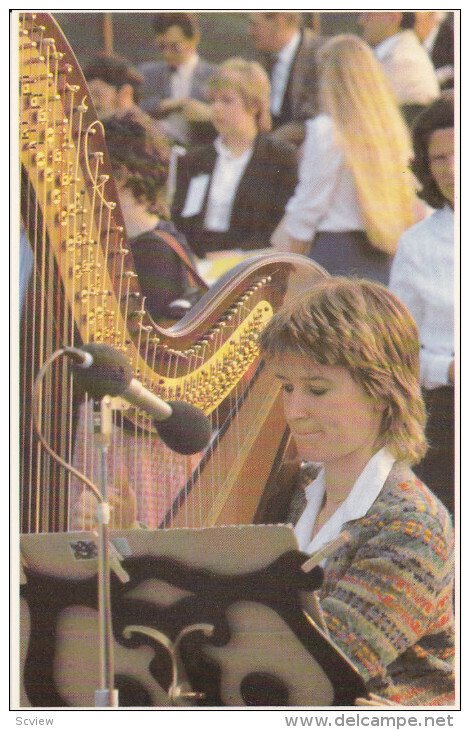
125 96
262 115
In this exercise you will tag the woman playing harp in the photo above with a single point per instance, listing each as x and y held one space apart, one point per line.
347 358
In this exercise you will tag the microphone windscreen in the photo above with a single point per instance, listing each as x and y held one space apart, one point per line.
109 374
187 430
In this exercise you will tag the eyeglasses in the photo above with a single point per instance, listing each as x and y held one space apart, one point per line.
172 47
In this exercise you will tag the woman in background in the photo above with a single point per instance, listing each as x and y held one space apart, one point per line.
355 195
140 163
423 277
231 194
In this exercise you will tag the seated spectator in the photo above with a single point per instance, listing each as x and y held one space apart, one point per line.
403 58
232 193
174 88
355 197
140 168
435 29
115 86
423 277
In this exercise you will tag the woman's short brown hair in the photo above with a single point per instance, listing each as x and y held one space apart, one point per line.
140 160
362 326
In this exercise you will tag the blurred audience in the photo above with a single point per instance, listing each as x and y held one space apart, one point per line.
423 277
231 194
404 60
115 87
140 169
114 84
355 195
175 88
290 54
435 29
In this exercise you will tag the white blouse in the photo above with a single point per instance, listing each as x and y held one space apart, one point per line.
228 171
422 276
365 491
325 198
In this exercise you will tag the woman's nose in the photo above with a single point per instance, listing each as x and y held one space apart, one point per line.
295 406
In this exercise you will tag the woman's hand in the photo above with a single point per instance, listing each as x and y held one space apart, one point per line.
282 241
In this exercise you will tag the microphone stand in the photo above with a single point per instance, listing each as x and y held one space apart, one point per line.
106 695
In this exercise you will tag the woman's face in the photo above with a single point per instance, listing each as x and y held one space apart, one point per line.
441 161
331 418
230 114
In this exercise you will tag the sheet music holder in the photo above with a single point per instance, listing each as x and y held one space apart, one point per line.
246 581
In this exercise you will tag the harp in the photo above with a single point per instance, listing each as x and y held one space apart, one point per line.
83 288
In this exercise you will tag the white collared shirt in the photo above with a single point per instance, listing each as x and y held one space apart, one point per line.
228 171
280 72
365 491
422 276
182 77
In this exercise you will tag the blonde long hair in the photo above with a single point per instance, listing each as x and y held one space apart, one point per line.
373 136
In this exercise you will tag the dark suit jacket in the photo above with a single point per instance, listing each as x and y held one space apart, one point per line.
301 94
442 53
267 184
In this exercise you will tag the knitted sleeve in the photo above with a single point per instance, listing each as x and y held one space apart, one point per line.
396 590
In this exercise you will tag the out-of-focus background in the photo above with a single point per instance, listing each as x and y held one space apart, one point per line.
222 34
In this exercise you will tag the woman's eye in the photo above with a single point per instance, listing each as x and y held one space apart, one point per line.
318 391
287 388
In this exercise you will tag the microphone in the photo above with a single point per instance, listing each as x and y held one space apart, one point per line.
102 370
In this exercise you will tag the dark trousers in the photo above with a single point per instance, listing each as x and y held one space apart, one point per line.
437 468
349 253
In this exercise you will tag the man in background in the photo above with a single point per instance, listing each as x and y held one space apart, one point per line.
115 87
404 60
174 88
435 29
290 59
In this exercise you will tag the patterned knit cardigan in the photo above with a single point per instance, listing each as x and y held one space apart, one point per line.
387 594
